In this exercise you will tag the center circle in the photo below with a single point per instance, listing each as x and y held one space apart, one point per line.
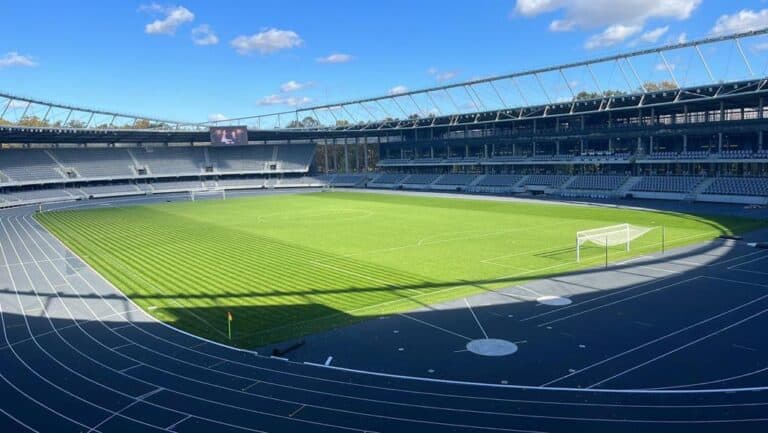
492 347
556 301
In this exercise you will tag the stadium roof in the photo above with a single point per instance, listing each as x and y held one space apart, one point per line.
721 59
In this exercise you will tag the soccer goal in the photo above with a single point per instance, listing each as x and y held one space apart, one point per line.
610 236
212 194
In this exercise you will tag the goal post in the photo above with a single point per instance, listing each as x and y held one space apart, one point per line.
216 194
609 236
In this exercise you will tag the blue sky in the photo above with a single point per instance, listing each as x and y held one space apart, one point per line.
195 59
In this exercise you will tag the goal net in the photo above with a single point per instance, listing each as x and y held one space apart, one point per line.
610 236
214 194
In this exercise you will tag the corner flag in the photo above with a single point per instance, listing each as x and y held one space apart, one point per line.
229 324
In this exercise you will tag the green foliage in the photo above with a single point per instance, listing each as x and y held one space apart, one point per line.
290 265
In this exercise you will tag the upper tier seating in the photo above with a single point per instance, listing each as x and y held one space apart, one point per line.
171 160
96 162
678 184
456 179
500 180
390 178
598 182
241 158
28 165
551 180
753 186
348 179
420 179
295 156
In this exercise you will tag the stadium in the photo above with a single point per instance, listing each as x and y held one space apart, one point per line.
577 247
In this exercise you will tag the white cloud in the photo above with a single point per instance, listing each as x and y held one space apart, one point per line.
291 101
613 35
335 58
397 90
17 104
743 21
292 86
618 19
652 36
216 117
588 14
661 67
204 35
762 46
441 76
174 17
681 38
267 41
15 59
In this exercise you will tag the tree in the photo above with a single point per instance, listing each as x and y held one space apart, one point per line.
650 86
33 121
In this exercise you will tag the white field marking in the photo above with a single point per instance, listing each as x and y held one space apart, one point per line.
420 243
434 326
176 424
677 349
555 389
744 256
750 271
247 387
724 379
653 268
748 283
279 357
18 421
171 373
297 411
129 405
216 364
30 262
43 334
747 262
461 350
651 280
123 345
415 378
270 370
656 340
739 346
618 301
114 262
328 360
473 315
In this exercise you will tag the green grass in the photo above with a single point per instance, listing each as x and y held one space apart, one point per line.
289 265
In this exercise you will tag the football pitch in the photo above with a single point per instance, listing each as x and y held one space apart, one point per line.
290 265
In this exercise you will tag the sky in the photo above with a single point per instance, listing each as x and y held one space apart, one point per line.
199 60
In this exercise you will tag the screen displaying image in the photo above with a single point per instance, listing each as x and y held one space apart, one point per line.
229 136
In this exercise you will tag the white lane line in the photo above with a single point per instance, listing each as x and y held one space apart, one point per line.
129 405
655 340
476 320
328 360
748 283
570 316
216 364
251 385
123 345
737 389
434 326
297 411
663 355
176 424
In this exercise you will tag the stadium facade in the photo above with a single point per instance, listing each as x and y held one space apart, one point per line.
598 128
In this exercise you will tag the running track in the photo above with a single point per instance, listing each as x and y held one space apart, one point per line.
77 356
